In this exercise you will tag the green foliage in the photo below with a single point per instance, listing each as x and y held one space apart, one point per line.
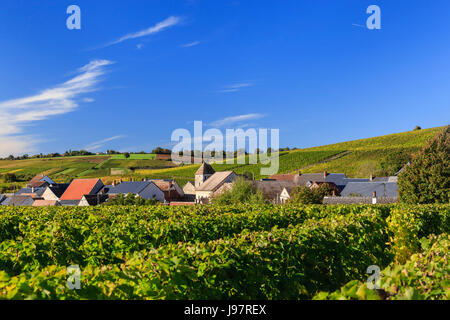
427 179
424 276
242 191
130 200
282 263
394 161
10 177
306 195
203 252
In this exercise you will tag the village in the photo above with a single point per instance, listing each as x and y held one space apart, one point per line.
206 184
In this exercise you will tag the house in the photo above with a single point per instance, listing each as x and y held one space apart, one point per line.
32 192
367 189
171 189
54 192
92 200
40 180
213 185
275 191
189 191
203 173
46 203
144 189
80 187
18 200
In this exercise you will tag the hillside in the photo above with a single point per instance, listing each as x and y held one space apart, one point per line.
383 155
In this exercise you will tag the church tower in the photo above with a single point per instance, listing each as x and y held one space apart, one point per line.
203 173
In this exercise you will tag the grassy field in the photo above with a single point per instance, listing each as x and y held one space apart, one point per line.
358 158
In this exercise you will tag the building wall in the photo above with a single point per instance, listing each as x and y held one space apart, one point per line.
49 195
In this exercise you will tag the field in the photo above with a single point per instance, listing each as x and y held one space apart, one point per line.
358 158
211 252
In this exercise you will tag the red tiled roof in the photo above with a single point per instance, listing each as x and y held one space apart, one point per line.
78 188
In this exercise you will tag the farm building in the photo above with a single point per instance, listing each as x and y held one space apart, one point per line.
54 192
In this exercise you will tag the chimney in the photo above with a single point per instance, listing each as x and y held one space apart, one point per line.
32 189
298 172
114 183
120 181
333 193
374 197
371 177
324 174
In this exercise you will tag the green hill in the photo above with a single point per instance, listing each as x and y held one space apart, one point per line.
383 155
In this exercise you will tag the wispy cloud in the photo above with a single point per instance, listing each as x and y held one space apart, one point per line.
160 26
61 99
236 86
98 144
190 44
236 119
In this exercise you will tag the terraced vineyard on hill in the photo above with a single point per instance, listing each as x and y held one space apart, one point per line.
382 155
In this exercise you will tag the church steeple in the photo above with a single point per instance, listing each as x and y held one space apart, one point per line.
203 173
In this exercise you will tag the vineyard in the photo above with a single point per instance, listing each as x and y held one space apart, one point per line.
236 252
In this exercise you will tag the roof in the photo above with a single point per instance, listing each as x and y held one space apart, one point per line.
45 203
214 182
205 168
31 191
272 189
164 185
79 187
358 200
69 202
59 189
40 180
134 187
18 201
2 197
366 189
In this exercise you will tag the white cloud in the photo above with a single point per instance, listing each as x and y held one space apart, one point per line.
236 119
16 113
160 26
236 86
191 44
98 144
139 46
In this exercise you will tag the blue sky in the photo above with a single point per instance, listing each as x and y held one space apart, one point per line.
137 70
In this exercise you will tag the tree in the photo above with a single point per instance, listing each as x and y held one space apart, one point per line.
130 200
305 195
242 191
417 128
10 177
126 155
427 178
